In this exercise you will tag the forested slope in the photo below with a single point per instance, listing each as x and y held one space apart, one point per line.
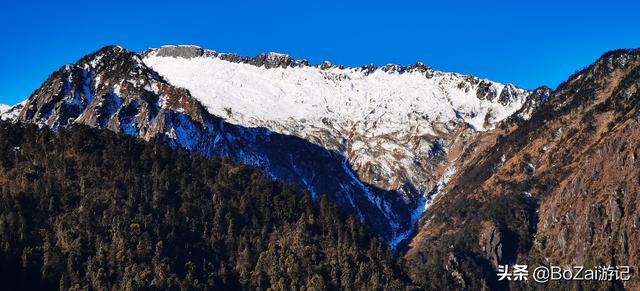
85 208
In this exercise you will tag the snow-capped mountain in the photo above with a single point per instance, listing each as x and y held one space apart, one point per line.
4 108
281 90
381 142
8 112
401 128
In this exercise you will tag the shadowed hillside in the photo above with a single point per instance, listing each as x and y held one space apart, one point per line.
87 208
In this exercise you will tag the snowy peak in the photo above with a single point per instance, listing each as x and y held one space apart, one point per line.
10 113
380 141
115 90
401 128
386 119
3 110
274 87
111 88
268 60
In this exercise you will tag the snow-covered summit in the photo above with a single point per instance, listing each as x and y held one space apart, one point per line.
347 109
113 89
391 95
380 141
8 112
395 124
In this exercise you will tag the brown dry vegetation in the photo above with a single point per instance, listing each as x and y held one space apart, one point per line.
577 157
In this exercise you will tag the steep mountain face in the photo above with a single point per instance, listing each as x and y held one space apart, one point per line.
114 89
561 189
400 128
381 142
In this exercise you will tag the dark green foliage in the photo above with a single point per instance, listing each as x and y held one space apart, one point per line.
88 209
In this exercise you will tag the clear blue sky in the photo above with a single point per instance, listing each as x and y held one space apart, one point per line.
528 44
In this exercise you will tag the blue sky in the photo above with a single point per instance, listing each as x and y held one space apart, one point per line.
528 44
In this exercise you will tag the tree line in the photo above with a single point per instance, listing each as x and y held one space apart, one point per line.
84 208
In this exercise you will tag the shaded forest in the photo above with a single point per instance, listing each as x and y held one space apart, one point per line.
89 209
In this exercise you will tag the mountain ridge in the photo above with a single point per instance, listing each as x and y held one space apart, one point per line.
401 128
552 179
269 59
113 89
388 186
560 189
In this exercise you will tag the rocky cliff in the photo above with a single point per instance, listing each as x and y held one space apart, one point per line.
560 189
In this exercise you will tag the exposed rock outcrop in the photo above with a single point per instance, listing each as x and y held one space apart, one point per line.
575 162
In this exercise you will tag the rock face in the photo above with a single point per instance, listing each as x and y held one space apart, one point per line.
491 242
268 60
184 51
563 186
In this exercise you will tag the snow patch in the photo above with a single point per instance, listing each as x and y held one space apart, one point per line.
424 202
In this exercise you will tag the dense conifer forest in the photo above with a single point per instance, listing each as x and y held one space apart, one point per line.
89 209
